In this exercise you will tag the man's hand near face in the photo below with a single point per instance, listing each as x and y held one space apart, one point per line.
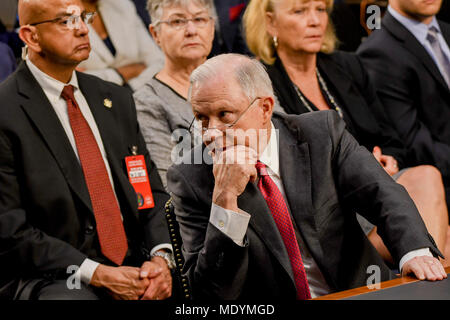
233 169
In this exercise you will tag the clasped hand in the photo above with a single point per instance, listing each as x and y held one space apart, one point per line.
152 281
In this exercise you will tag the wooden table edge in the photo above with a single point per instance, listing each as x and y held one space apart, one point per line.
365 289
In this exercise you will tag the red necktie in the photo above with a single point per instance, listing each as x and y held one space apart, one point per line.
111 233
280 213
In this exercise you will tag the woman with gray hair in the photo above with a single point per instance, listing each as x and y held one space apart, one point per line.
184 30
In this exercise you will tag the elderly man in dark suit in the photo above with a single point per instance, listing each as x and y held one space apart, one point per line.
272 214
409 63
69 221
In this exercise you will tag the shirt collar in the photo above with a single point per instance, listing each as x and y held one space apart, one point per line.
417 28
50 85
270 155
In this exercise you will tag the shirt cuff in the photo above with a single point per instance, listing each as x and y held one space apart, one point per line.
166 246
415 253
86 271
233 224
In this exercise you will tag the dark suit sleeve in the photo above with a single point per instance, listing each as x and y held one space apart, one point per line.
373 194
23 247
395 88
215 266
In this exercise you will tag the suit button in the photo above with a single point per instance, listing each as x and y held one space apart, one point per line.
89 230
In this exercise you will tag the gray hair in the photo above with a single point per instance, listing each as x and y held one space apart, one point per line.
249 73
156 7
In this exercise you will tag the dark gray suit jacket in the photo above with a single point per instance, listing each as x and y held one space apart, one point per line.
327 176
46 217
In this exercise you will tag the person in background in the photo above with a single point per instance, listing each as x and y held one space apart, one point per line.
229 36
408 60
184 31
141 8
296 41
123 51
7 61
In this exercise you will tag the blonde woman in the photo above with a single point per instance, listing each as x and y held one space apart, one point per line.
296 40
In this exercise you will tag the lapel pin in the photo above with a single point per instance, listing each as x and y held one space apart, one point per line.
107 103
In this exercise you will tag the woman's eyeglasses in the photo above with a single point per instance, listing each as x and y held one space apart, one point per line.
181 23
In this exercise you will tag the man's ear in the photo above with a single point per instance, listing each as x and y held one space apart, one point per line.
267 107
30 37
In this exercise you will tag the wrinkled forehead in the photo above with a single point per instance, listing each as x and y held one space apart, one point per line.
222 89
191 7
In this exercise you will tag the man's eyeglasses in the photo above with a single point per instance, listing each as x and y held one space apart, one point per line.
225 126
70 22
180 23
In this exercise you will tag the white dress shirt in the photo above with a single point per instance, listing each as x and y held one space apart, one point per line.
53 89
235 224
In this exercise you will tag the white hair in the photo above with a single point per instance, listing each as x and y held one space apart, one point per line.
249 73
156 7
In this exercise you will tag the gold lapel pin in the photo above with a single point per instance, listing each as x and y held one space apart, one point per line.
107 103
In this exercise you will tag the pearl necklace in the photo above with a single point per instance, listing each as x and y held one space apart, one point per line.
327 92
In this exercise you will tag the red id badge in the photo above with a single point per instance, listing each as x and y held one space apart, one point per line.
137 173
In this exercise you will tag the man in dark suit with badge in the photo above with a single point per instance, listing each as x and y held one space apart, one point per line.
70 226
272 212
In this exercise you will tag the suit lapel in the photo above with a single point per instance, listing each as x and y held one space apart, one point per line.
413 46
445 28
263 224
295 169
42 115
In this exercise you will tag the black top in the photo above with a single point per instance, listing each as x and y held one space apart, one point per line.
349 84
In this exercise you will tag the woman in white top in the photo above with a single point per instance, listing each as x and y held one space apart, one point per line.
123 51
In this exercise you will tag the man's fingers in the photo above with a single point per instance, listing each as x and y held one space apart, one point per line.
429 274
414 267
438 270
425 268
150 269
160 288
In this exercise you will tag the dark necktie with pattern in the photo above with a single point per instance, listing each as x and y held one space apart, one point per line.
111 233
280 213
